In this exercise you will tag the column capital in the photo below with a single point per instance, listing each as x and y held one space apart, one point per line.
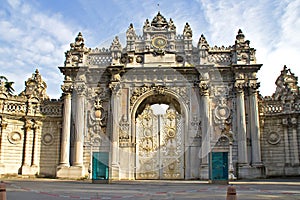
285 122
294 121
239 86
253 86
28 125
80 88
3 123
204 88
67 87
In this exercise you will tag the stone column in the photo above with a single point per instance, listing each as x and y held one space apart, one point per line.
286 142
115 130
295 152
241 125
79 125
27 148
36 145
66 128
3 125
206 128
255 129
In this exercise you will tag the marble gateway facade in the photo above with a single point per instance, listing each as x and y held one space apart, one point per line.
211 103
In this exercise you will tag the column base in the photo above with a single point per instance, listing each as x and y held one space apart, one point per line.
72 172
115 172
29 170
204 172
250 172
2 168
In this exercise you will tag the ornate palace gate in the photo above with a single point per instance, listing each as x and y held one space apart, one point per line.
160 145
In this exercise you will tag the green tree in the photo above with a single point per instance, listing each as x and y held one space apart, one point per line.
7 84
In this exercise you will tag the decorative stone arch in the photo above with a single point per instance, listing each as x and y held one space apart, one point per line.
184 111
184 108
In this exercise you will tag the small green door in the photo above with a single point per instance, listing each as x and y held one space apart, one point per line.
100 166
219 166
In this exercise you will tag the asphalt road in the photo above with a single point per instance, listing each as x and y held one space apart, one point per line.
52 189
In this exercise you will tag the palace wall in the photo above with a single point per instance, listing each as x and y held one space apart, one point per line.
30 130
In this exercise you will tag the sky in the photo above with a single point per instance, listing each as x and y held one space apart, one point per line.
35 34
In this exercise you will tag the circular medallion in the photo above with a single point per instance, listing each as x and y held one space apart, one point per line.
147 132
159 42
171 133
48 139
14 137
222 112
273 138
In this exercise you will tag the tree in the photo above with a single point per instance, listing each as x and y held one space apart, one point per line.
7 84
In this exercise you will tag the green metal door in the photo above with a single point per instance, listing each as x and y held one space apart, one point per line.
100 166
219 166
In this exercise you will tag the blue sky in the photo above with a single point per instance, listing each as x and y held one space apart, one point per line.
35 34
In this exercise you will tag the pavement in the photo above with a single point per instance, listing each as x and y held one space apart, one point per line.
52 189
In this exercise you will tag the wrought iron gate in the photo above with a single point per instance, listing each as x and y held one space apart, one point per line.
160 145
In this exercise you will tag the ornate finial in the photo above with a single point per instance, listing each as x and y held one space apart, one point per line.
202 44
171 25
240 36
187 31
159 21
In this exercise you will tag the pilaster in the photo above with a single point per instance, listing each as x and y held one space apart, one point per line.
27 148
206 127
295 151
3 125
286 142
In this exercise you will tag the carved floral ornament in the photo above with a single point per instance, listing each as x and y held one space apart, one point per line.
48 139
273 138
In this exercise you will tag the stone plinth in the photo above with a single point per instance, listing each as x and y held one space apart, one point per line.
70 172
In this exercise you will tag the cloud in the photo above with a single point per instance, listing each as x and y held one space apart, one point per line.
31 38
270 25
37 35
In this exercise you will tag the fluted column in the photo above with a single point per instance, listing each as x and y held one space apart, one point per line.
66 128
27 148
286 142
241 124
295 152
115 137
3 125
79 125
36 145
206 126
255 129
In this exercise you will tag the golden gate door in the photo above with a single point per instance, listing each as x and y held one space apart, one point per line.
160 145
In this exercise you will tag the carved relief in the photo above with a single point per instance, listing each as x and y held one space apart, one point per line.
222 114
273 138
14 137
124 132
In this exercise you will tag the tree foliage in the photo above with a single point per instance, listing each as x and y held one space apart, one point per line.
7 84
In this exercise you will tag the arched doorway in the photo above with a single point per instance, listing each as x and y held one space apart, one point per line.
159 139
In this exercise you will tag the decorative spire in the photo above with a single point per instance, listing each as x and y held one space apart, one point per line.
187 31
240 36
159 21
171 25
287 85
79 43
202 44
116 45
130 33
35 87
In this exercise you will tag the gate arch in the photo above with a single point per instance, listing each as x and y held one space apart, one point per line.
167 97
